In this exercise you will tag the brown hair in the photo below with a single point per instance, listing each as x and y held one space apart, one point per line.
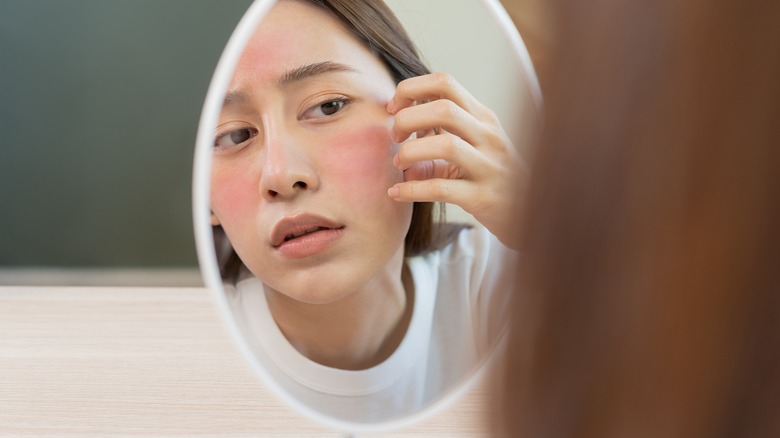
651 299
373 23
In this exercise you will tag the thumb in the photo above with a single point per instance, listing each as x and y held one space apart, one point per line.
420 170
430 169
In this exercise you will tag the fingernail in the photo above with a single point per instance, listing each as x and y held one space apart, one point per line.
390 106
396 161
393 192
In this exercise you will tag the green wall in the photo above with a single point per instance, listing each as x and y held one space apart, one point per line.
99 104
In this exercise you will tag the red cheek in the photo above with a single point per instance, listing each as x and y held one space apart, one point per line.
361 157
231 195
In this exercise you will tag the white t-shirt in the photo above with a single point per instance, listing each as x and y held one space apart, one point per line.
459 300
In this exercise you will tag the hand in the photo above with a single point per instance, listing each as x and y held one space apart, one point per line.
460 154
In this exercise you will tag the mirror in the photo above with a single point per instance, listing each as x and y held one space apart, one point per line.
310 260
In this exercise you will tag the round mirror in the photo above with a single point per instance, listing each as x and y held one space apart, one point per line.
360 309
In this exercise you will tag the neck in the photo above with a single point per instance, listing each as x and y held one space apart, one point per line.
356 332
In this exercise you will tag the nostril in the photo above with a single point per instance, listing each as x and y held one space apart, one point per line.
298 186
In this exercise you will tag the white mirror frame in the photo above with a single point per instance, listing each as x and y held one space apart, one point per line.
202 211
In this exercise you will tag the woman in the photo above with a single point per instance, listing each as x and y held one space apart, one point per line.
332 140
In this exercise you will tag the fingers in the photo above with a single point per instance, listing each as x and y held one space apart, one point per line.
431 169
432 87
444 148
454 191
441 113
460 155
437 102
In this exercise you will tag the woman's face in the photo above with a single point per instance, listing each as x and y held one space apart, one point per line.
303 159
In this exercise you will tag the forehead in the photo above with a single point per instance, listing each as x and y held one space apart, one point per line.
294 34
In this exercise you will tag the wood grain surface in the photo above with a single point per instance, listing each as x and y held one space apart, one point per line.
147 362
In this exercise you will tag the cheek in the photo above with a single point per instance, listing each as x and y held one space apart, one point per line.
362 159
231 194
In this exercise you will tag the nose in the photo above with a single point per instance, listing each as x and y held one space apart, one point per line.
288 169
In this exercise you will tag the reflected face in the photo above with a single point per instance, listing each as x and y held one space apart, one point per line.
303 159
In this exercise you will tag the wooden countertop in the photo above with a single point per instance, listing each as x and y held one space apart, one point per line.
146 362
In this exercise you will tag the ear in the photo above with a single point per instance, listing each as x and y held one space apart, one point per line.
214 219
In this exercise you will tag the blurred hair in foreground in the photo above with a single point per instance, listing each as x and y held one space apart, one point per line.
651 300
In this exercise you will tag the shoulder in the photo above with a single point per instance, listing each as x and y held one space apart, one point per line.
472 258
473 275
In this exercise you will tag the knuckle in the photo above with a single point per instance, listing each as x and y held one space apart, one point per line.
443 79
490 116
446 109
407 190
451 144
496 136
439 188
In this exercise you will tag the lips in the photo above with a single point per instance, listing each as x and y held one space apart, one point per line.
294 227
309 231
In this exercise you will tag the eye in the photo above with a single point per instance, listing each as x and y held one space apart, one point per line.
234 138
330 108
326 109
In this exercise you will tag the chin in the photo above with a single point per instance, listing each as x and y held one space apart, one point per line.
319 297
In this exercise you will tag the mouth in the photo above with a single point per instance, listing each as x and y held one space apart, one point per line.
300 227
292 236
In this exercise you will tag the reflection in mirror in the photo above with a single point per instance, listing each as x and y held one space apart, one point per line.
332 149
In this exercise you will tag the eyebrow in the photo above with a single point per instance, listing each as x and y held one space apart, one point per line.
306 71
235 97
290 77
